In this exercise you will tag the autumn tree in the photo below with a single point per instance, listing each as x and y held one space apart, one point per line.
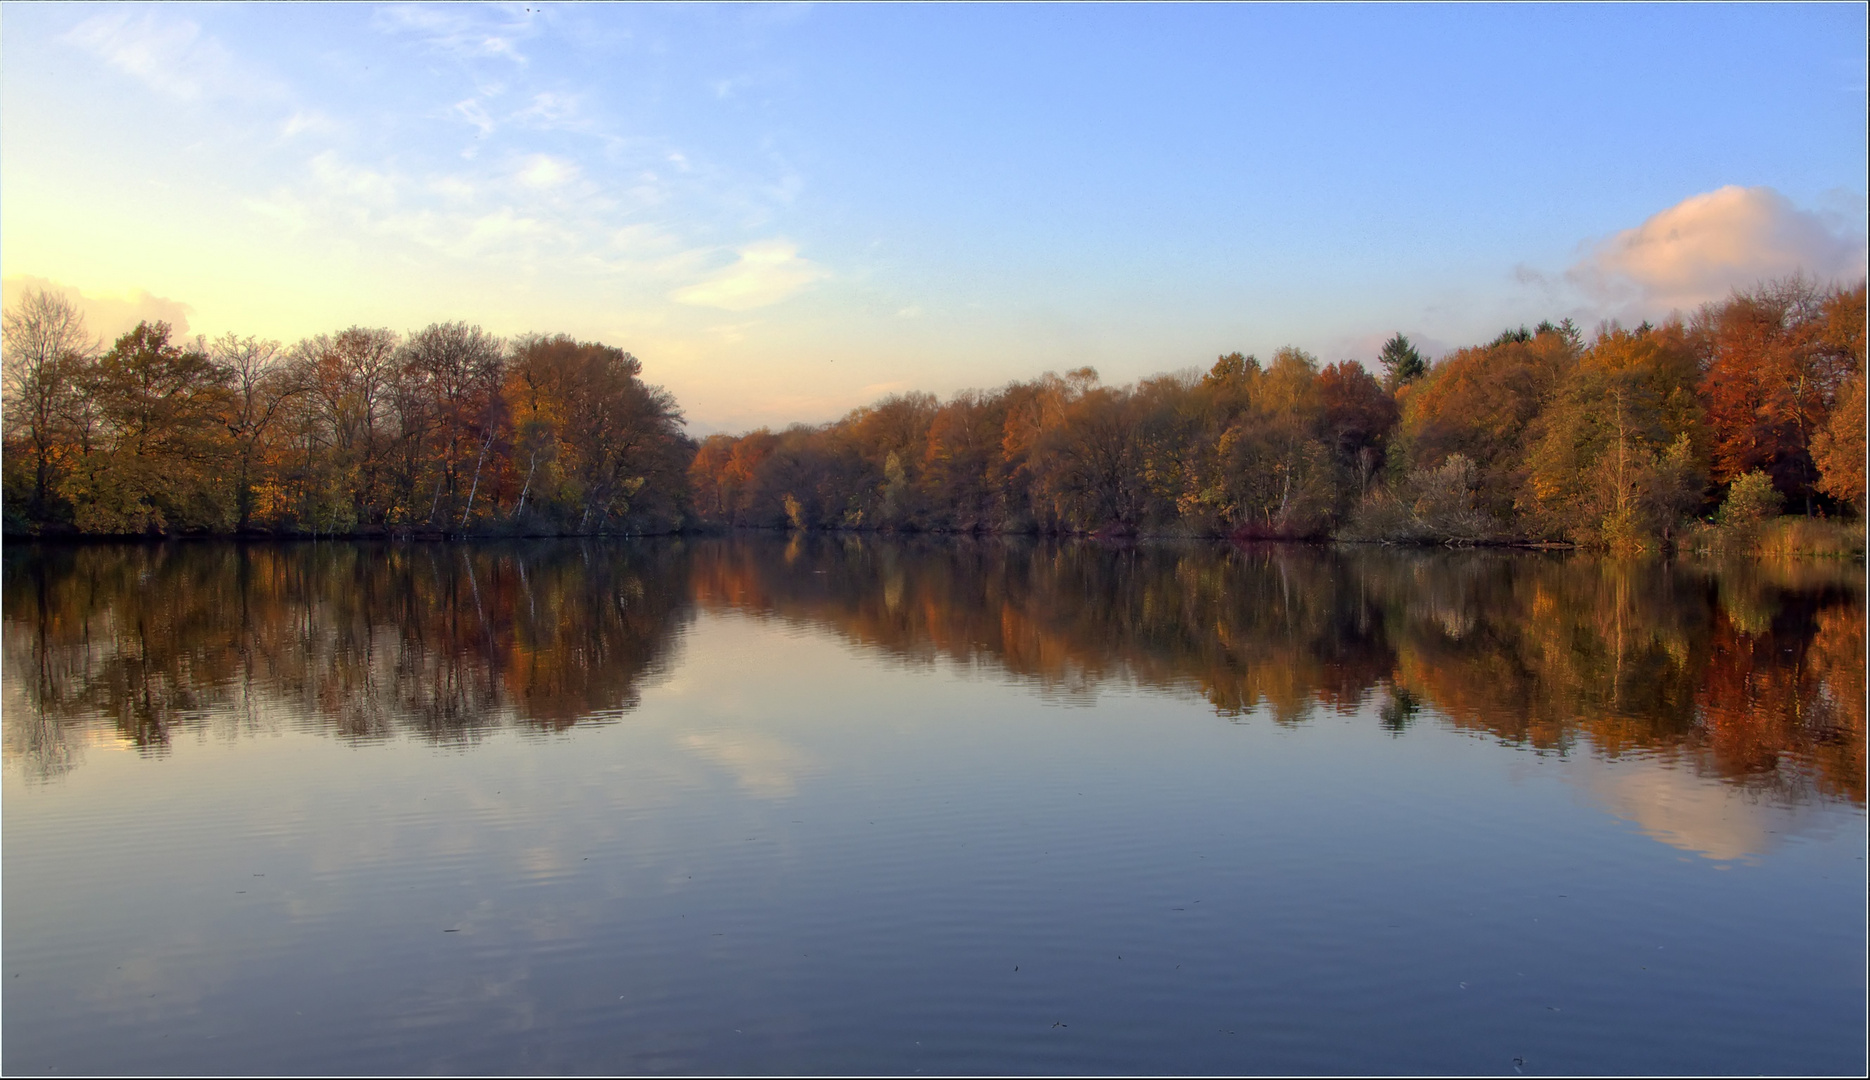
260 384
960 468
163 411
745 465
1615 458
1838 448
1035 410
349 380
46 351
1480 403
598 444
1175 423
1087 466
1276 474
709 481
891 439
454 371
1774 359
1359 416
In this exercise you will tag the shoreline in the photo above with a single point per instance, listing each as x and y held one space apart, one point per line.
1710 542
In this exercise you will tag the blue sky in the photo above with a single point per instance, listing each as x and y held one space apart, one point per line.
787 211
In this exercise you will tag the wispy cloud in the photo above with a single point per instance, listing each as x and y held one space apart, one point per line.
1706 245
464 31
362 184
764 273
550 109
456 215
312 121
476 115
487 156
172 56
502 227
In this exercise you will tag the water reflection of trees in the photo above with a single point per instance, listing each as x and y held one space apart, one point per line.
1753 673
363 639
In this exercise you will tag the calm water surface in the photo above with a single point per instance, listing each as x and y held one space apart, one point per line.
841 805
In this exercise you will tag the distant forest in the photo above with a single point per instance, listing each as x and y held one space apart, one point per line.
1634 439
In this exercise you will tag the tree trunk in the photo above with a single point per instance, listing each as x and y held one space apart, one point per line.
482 460
526 487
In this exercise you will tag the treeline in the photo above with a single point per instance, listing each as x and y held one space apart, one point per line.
446 430
1632 440
1746 406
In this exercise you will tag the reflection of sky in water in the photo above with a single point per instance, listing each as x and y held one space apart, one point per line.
803 849
1671 804
1666 799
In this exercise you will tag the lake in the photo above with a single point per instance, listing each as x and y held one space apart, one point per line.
851 804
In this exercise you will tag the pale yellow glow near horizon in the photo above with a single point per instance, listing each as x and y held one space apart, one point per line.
766 338
169 248
744 345
769 339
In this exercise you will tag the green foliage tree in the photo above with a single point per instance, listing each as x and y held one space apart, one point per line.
1401 363
1751 502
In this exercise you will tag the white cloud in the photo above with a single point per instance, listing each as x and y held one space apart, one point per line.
308 120
171 56
354 182
290 211
454 190
475 114
641 239
447 213
766 273
549 109
464 31
542 171
109 316
500 227
764 766
1707 245
1670 803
